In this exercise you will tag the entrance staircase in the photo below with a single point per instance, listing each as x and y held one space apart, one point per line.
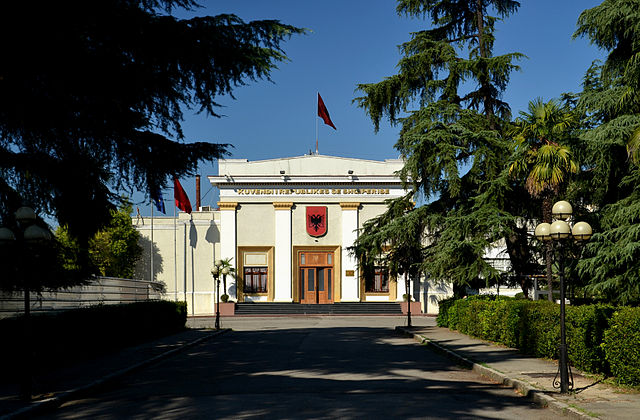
342 308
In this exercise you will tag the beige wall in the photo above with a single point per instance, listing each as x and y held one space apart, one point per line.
255 224
186 277
369 211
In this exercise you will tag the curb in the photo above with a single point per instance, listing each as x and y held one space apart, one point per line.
538 396
41 406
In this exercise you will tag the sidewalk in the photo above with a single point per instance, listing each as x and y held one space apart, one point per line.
531 376
65 383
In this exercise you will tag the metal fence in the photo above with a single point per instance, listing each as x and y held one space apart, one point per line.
101 291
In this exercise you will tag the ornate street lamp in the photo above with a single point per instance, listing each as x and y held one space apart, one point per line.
558 232
30 234
216 270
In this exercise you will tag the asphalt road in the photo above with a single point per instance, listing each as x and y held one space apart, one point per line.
305 368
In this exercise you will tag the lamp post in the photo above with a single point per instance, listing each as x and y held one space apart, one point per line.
216 270
30 234
559 231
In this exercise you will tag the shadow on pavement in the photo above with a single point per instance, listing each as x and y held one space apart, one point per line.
350 372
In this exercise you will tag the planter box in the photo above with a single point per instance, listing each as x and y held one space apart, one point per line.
415 308
226 308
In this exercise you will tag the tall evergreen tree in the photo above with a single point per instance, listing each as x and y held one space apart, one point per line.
92 97
452 138
611 103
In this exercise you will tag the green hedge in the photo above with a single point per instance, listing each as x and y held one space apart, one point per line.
622 345
58 337
443 311
534 328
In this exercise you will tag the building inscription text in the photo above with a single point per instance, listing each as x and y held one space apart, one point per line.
301 191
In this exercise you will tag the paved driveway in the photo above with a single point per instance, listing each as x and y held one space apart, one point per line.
312 367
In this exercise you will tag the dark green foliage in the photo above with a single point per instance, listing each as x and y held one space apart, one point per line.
534 327
541 333
443 312
502 322
622 345
586 327
613 253
113 251
610 103
447 98
92 95
61 337
392 240
39 266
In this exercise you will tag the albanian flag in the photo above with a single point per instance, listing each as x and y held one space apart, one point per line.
182 201
323 113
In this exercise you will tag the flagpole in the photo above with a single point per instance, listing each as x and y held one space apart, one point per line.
175 256
317 124
151 250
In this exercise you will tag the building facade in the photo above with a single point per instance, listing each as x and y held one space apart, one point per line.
286 226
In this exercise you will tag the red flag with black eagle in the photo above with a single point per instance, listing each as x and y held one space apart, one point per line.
323 113
182 201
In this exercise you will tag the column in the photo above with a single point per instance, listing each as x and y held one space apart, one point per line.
350 283
283 248
228 241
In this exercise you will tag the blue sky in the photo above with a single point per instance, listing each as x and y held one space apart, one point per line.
352 42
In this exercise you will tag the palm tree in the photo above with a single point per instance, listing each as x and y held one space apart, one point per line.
226 263
542 158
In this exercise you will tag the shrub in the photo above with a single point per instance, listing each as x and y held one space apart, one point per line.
540 334
622 345
596 342
66 335
508 324
586 326
443 311
470 314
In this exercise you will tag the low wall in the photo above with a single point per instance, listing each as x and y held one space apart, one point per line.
101 291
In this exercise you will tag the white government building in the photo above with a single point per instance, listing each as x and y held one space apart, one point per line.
285 224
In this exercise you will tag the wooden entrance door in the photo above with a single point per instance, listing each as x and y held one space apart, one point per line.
316 277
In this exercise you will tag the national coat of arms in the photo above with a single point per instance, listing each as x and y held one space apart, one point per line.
317 220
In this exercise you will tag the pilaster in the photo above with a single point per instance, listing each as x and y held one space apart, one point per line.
283 243
228 240
350 282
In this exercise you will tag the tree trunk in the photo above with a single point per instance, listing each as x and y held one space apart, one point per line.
519 255
548 254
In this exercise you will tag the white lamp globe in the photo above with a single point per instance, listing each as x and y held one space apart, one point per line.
25 215
6 236
581 231
559 230
542 232
36 234
562 210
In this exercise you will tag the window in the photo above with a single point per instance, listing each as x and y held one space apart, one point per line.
255 279
379 283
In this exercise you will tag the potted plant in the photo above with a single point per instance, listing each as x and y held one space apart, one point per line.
406 301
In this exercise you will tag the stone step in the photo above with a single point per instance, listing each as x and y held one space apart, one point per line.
346 308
